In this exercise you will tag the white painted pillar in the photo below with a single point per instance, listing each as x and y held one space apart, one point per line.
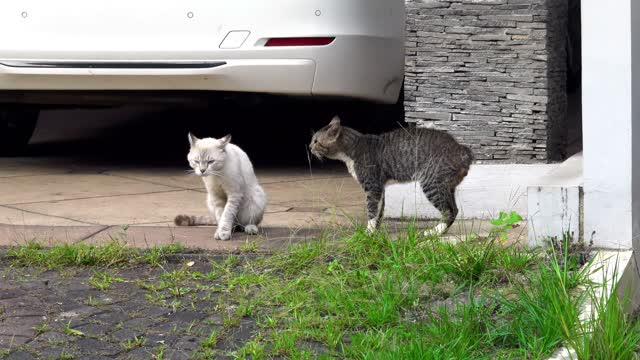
610 205
635 127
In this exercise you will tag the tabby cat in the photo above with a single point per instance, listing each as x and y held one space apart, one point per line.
431 157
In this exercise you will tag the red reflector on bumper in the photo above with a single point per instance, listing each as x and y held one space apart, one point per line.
308 41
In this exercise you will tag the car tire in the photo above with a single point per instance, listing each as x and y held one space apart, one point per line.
16 127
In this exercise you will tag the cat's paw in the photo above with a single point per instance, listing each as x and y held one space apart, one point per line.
372 225
437 230
251 229
222 235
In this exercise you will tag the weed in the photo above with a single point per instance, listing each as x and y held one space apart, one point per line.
156 298
159 353
134 343
103 280
231 321
72 332
173 280
252 349
231 261
157 255
189 329
175 305
65 356
211 341
249 247
505 221
41 328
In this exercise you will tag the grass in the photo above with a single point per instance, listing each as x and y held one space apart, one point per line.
112 254
546 306
369 297
608 332
157 255
376 297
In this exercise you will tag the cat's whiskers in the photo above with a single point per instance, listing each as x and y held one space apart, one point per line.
213 173
309 160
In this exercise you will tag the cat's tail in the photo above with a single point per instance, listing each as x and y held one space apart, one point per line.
191 220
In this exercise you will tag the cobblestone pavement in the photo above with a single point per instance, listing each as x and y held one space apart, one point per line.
59 314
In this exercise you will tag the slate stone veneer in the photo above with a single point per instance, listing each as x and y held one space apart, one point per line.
492 73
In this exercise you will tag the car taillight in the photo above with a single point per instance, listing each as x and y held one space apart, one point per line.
300 41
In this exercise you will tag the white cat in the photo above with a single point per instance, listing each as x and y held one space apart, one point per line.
234 196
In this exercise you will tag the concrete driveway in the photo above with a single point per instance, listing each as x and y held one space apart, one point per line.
97 174
51 198
94 175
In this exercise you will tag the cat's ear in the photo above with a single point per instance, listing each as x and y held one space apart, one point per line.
224 141
335 122
335 128
192 140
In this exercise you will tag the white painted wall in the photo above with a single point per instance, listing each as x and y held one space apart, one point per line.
607 119
487 190
554 203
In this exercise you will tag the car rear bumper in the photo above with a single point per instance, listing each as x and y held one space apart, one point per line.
368 68
294 76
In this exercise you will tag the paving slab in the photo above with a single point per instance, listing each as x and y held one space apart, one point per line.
297 220
10 168
130 209
178 178
35 189
285 175
37 166
11 235
323 192
11 216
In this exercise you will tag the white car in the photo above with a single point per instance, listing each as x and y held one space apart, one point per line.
350 49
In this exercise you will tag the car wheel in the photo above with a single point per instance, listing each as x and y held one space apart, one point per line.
16 127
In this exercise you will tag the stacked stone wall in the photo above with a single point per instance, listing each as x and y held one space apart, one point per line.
490 72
